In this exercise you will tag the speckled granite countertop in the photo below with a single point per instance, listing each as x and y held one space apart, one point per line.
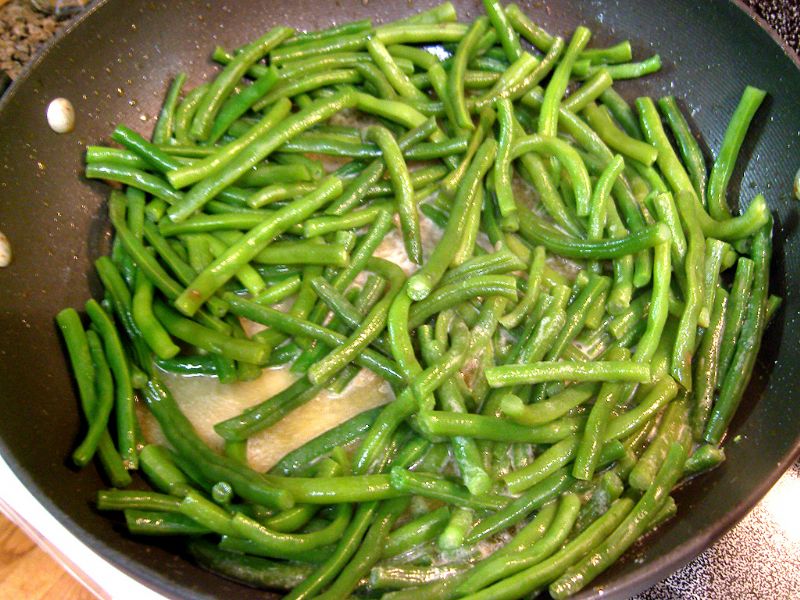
759 557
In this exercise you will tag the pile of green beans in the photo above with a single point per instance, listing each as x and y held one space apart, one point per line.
573 344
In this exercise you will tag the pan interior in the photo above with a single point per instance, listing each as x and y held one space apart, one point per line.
114 67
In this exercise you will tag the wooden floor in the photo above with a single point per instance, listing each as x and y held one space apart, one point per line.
28 573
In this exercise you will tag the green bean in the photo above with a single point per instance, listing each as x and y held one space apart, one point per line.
358 187
667 213
526 304
455 293
420 33
279 291
161 471
239 103
529 30
99 407
659 304
455 82
588 92
587 455
212 341
545 571
619 53
418 56
403 190
291 520
256 151
347 547
539 177
339 304
441 489
251 570
369 329
261 416
162 132
683 351
674 427
715 251
456 529
185 112
739 301
668 162
598 207
225 82
123 499
424 280
295 326
449 424
687 145
216 162
568 157
206 513
549 410
494 569
285 56
622 112
289 88
146 182
335 31
399 80
359 260
552 459
136 202
153 333
303 253
465 451
279 192
369 552
208 223
726 159
338 436
577 314
515 82
507 36
181 435
120 156
605 492
632 70
578 575
147 263
476 80
502 166
123 391
518 509
316 226
376 80
456 177
279 545
738 375
157 523
253 242
420 530
705 458
548 117
661 393
617 139
314 166
267 174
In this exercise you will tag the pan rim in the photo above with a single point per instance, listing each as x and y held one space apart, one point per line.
623 586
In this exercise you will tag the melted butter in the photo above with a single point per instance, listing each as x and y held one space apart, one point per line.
205 401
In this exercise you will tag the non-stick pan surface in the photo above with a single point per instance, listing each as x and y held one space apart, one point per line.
114 66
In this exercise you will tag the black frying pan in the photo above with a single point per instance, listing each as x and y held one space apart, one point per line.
114 65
